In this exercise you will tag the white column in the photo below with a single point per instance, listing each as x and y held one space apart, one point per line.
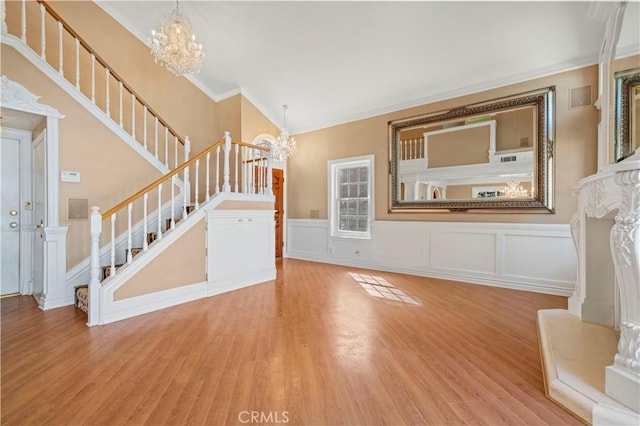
94 281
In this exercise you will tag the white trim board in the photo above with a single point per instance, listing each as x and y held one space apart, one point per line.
532 257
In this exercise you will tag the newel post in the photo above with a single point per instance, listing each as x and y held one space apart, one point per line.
94 281
185 177
226 186
270 172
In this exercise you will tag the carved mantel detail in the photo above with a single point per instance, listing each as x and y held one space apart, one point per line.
616 190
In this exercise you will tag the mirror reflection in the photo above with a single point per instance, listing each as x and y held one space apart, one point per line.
627 113
478 156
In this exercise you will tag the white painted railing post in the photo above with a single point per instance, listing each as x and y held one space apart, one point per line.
94 281
226 186
186 186
4 17
270 172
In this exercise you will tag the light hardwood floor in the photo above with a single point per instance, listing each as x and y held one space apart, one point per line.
311 347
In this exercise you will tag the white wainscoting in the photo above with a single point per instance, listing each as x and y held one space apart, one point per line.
532 257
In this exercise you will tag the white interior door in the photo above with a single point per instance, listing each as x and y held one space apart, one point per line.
39 203
9 215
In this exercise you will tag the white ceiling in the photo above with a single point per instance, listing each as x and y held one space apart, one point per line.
334 62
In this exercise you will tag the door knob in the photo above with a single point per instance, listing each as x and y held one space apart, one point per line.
13 213
41 225
13 225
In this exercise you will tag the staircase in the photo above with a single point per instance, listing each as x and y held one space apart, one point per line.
141 227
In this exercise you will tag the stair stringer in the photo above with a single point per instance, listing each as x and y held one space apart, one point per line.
78 96
111 310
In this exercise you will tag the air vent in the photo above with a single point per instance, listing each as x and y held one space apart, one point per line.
580 97
508 159
78 209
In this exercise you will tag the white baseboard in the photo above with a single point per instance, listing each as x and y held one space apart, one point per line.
127 308
530 257
225 285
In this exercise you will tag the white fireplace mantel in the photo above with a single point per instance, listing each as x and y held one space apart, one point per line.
591 354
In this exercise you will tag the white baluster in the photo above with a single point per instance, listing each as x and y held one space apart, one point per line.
175 152
197 204
93 78
23 21
120 102
106 73
166 146
156 136
218 169
226 187
145 230
208 160
129 254
173 202
113 245
185 174
42 34
133 116
60 55
144 126
77 64
94 270
235 187
244 169
270 172
159 211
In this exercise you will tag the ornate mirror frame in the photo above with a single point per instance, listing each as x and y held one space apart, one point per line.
543 100
625 82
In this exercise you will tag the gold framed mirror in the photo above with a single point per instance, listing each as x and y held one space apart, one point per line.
494 156
626 113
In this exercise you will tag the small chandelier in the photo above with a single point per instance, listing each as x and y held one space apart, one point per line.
285 146
175 47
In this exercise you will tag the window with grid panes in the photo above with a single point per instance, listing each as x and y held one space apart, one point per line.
351 194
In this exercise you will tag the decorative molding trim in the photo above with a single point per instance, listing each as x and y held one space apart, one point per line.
15 96
309 239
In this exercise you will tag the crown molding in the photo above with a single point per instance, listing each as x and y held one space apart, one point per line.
463 91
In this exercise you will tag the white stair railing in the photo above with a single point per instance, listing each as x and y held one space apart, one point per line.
252 174
91 76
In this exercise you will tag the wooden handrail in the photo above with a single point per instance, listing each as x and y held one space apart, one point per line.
174 172
111 71
160 180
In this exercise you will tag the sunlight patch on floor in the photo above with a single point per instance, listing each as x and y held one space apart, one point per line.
381 288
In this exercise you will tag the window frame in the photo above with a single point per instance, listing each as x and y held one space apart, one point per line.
333 168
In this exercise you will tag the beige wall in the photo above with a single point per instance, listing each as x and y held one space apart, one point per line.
576 135
254 122
181 264
512 126
458 148
109 169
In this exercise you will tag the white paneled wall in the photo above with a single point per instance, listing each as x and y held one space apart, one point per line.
534 257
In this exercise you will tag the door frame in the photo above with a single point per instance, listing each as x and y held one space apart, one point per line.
18 98
280 165
25 272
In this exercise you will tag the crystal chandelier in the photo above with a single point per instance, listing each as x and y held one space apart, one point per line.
285 146
174 45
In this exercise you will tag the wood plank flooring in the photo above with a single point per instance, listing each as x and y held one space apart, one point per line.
312 347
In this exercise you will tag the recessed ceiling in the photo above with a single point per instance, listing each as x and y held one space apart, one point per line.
334 62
